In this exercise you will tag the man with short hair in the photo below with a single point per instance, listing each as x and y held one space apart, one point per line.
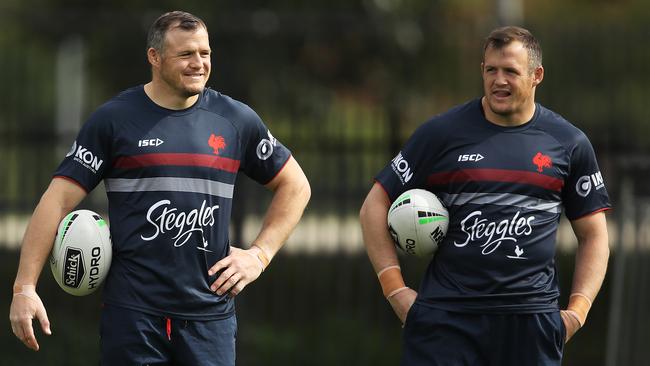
169 295
490 293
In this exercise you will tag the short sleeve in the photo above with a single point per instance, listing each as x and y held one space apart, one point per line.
264 155
88 159
584 192
407 170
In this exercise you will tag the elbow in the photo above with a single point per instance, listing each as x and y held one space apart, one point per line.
365 212
375 206
306 190
302 190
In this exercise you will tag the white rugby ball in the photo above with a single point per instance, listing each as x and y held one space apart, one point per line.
418 222
82 252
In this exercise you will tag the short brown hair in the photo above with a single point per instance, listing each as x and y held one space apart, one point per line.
503 36
172 19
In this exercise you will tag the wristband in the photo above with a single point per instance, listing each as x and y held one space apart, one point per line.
391 280
579 305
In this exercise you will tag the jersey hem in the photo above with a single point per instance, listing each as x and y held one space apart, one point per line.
169 314
381 185
603 209
279 170
490 308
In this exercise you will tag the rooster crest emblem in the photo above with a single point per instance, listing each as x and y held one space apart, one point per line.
542 161
217 143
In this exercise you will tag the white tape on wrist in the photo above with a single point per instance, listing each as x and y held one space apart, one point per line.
575 316
397 291
257 258
29 291
583 296
386 269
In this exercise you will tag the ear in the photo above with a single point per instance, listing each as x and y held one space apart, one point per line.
153 56
538 75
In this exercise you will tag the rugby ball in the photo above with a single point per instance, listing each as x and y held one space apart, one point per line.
82 252
418 222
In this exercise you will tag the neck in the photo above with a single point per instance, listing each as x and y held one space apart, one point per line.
165 98
509 120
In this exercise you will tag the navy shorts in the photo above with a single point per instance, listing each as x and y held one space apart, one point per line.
439 337
131 337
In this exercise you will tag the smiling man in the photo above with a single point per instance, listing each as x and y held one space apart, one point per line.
169 153
490 293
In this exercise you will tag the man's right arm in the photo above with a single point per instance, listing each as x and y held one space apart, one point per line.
61 197
381 249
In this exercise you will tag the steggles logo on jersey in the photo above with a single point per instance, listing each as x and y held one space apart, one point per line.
217 143
167 219
492 233
542 161
401 168
85 157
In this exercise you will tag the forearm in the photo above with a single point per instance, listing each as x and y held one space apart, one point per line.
287 206
57 201
590 267
374 227
379 243
590 264
382 253
38 240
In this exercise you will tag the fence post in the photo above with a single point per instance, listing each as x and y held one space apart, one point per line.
626 232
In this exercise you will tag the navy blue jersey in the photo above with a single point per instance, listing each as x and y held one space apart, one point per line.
169 177
505 189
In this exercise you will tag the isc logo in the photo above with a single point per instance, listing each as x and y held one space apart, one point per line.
470 157
150 142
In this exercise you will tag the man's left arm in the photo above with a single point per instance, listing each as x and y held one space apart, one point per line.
590 267
291 192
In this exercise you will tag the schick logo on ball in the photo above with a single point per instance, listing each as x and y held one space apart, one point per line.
73 267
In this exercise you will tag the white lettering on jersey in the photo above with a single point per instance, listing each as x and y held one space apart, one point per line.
494 233
85 157
586 182
597 180
470 157
401 168
165 218
150 142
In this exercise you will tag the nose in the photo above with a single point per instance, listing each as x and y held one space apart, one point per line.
195 61
500 78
